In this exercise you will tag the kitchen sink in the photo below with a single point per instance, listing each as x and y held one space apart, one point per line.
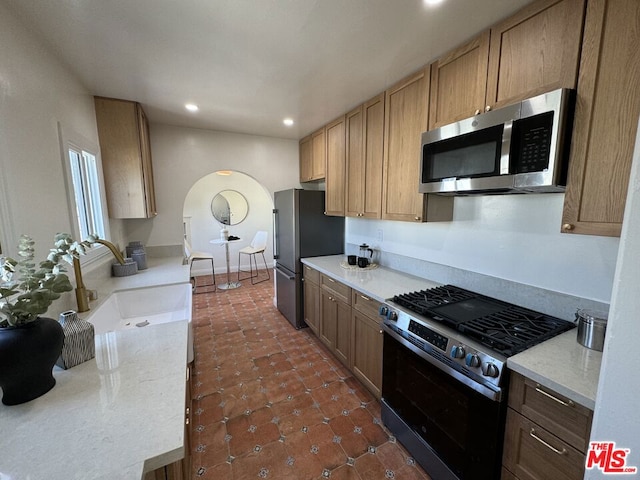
144 308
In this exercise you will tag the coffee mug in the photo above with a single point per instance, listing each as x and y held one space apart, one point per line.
352 259
363 262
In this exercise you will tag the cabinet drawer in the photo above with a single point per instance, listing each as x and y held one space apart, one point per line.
533 453
339 290
365 304
310 274
559 415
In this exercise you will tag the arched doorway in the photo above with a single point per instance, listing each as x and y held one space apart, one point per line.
200 226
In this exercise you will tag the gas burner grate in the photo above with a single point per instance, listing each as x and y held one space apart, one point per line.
514 329
420 302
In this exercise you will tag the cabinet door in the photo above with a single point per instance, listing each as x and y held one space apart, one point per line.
366 351
459 83
343 332
365 141
373 112
405 120
532 453
126 158
607 110
318 155
535 51
147 167
328 319
335 174
354 197
306 159
311 294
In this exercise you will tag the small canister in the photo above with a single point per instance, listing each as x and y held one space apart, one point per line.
592 326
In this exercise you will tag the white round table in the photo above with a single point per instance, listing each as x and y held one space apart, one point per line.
229 285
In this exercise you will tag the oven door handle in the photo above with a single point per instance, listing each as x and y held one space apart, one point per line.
491 394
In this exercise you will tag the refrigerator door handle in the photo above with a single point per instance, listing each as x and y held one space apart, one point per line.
276 255
286 274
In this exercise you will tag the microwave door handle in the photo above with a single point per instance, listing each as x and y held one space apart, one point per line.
506 147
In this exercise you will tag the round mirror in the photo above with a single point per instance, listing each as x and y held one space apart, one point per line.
229 207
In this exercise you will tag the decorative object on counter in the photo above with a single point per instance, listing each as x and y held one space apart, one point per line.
130 267
224 233
592 327
135 250
31 344
79 342
346 266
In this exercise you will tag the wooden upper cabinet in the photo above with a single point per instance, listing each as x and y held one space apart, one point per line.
335 174
535 51
606 120
459 82
306 159
123 132
319 154
406 111
365 140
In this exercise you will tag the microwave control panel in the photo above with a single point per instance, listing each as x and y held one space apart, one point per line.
531 143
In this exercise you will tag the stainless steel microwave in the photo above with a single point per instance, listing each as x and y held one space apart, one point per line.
520 148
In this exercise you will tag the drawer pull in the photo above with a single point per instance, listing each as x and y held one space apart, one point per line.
365 298
554 398
331 280
550 447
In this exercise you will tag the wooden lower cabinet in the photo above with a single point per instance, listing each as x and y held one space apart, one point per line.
335 325
311 298
366 351
546 434
536 454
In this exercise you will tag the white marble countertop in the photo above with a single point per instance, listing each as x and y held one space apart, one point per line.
563 365
116 416
560 363
379 283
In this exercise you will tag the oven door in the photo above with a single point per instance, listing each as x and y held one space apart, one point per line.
453 431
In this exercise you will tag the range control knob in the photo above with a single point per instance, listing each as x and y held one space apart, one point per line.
472 360
383 310
393 316
490 370
457 351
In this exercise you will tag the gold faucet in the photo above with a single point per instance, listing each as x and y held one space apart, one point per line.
81 291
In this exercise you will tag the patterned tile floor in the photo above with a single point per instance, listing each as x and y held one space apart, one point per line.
271 402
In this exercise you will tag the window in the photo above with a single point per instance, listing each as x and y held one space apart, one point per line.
86 187
85 191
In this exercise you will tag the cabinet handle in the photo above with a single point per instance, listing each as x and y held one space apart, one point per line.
187 411
186 422
487 108
417 219
381 332
554 398
331 280
364 297
568 226
550 447
477 112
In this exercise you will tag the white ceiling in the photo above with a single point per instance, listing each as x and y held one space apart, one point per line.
250 63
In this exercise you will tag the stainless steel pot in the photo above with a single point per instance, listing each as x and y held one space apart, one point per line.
592 326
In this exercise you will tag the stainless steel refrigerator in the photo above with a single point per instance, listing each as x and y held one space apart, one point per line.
301 229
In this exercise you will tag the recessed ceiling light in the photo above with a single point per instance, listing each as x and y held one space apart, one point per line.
191 107
432 2
288 121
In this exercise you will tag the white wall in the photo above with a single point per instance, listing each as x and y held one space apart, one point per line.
204 226
182 156
514 237
36 92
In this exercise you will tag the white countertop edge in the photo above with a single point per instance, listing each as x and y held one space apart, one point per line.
553 365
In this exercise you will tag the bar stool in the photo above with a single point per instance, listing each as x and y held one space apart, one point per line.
258 245
193 256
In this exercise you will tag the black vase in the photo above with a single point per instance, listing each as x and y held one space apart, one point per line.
27 355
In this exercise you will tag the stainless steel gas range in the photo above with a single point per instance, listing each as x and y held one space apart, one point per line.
445 380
